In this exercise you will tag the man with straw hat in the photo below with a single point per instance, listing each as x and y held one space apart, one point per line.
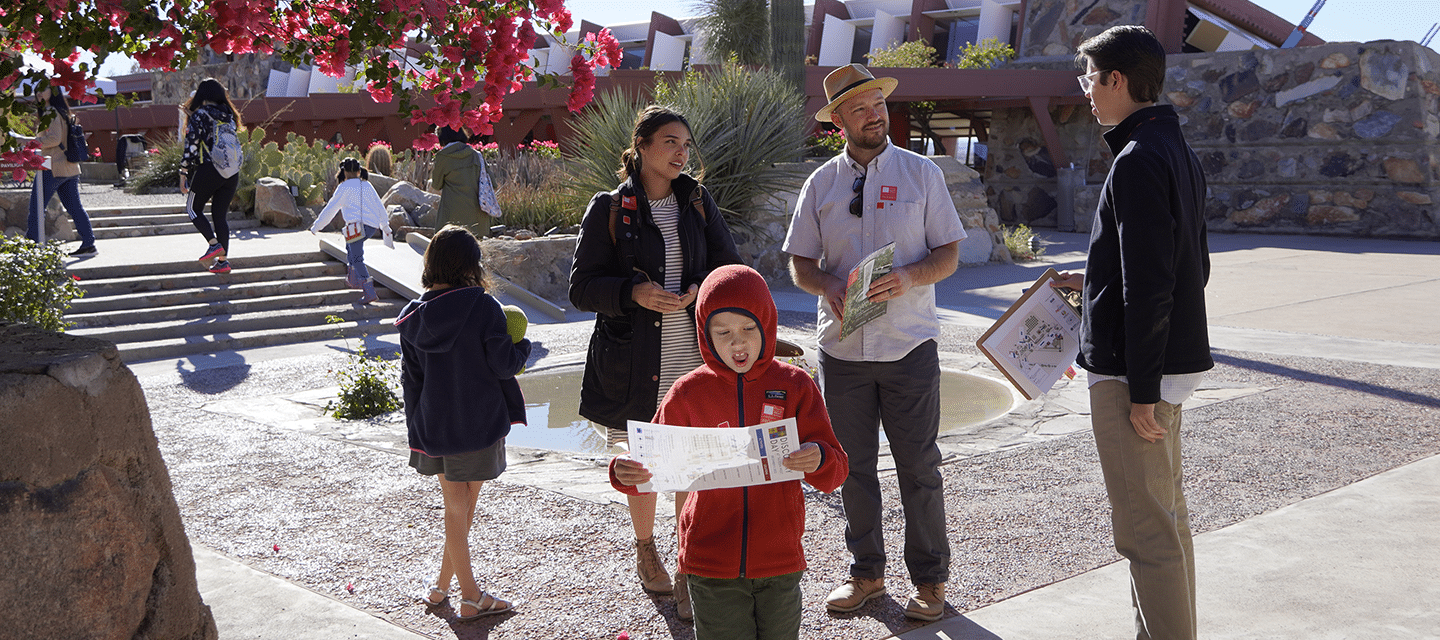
886 372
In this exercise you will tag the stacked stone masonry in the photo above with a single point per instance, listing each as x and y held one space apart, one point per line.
1336 139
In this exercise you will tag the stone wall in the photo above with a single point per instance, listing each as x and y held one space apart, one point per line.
1340 138
247 77
15 216
92 538
1056 27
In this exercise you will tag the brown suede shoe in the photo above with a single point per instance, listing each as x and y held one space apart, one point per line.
928 603
683 610
853 593
653 576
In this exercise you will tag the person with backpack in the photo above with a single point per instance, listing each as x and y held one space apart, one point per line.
455 175
63 176
643 251
210 167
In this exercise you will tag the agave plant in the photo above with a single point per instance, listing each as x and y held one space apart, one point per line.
743 120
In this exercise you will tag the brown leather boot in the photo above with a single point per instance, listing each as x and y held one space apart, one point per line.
682 598
653 576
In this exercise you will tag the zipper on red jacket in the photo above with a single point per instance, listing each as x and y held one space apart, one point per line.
744 491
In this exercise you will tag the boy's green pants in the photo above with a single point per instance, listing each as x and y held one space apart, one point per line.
758 608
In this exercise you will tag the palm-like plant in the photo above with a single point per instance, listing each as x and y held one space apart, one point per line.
738 28
744 121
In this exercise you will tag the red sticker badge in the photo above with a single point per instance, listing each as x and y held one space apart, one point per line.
889 193
625 219
771 412
628 202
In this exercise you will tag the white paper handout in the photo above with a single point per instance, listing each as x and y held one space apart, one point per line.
697 458
1035 342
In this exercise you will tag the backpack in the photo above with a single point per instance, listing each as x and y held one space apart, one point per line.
76 150
225 151
485 189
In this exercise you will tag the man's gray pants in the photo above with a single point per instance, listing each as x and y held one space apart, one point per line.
904 397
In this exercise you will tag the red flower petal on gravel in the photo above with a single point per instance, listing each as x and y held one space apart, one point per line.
276 548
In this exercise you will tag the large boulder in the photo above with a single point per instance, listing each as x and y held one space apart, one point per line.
382 182
92 538
274 205
409 196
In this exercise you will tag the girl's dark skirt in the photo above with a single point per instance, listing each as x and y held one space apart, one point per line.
475 466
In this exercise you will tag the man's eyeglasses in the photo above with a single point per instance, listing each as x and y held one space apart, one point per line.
1087 81
857 204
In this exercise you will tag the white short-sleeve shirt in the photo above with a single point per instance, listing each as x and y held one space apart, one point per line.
905 201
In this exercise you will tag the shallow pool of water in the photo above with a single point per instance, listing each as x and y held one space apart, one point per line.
552 401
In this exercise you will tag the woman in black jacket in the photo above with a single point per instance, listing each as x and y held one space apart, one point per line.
643 251
207 110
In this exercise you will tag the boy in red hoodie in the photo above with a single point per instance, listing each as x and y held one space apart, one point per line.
740 548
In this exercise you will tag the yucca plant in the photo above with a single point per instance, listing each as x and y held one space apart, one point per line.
744 120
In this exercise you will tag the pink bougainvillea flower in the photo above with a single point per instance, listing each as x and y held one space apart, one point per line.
427 142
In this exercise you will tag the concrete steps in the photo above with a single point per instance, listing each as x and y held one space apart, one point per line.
176 308
153 220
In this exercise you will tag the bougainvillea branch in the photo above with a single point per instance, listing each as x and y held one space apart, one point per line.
465 56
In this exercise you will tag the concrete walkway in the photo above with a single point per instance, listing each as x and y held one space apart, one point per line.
1356 562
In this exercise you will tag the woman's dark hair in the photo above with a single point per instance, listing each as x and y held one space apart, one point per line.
210 90
452 258
351 164
448 135
649 120
1132 50
57 102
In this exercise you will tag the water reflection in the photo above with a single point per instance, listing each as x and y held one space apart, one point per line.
553 401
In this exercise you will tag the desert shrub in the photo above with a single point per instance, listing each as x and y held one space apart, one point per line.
367 384
1022 242
35 288
743 120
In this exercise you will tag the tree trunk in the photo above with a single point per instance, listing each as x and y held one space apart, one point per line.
787 41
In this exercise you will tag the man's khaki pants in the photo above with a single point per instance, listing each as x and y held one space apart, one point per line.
1151 522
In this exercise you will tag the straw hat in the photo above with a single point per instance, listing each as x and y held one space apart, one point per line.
844 82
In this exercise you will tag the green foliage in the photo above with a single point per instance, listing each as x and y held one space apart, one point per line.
252 142
1022 242
988 54
531 188
162 168
35 288
743 120
738 29
366 385
915 53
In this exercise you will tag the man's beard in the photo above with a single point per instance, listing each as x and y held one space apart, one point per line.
867 140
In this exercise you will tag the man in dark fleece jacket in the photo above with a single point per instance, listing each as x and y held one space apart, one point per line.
1143 338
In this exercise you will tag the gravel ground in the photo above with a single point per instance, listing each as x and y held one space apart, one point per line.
343 514
97 195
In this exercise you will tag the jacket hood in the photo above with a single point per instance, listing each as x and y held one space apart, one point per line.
738 289
433 322
455 150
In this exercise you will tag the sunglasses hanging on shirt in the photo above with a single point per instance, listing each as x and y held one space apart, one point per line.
857 205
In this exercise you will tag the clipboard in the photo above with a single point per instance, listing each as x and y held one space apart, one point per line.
1036 340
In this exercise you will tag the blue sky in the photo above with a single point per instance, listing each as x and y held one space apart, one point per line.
1338 20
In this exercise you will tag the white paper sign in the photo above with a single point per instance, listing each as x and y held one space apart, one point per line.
697 458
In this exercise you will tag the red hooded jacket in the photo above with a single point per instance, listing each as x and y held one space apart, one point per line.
747 532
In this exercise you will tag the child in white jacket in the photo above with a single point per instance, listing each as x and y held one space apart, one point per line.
363 212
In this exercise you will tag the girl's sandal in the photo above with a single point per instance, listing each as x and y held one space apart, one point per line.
496 606
434 598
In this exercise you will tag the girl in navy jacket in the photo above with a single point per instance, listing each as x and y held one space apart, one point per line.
458 367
